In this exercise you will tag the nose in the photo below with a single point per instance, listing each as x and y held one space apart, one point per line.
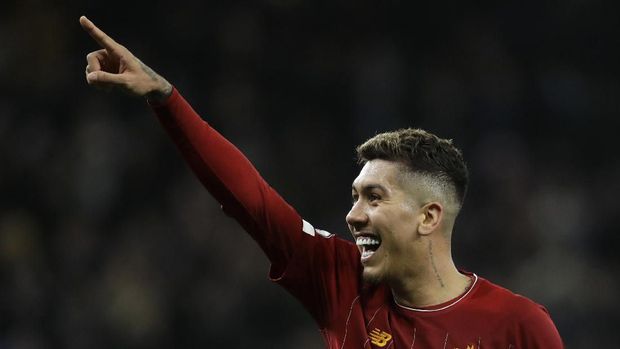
357 217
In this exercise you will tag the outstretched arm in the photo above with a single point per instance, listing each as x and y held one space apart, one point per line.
310 264
220 166
115 66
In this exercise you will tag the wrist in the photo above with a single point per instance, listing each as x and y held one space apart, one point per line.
159 94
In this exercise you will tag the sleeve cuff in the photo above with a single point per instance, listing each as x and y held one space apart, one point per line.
169 100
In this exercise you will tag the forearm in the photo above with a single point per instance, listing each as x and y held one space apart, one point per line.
231 178
221 167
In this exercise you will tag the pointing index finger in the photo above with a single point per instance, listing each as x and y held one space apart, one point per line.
98 35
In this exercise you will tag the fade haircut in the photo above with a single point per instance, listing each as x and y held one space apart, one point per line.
422 153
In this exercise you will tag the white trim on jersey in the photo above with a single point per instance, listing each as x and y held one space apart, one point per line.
309 229
447 306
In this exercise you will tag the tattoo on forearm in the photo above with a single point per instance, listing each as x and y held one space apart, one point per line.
157 94
432 259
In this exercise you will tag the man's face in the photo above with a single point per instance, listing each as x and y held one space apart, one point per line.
384 221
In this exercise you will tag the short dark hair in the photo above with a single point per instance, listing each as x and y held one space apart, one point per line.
421 152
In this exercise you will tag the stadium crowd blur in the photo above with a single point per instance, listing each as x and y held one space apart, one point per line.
107 239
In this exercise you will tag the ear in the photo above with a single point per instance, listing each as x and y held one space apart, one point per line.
431 216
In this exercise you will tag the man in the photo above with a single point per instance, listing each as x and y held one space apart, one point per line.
398 288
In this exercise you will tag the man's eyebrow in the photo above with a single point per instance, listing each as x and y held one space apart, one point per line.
369 187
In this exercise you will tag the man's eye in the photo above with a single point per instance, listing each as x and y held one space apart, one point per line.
373 197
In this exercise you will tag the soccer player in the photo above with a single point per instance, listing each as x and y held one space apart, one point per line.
396 286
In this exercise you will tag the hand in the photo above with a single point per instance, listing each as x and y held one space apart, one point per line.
115 66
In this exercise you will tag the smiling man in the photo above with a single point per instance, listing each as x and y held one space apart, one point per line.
398 288
405 201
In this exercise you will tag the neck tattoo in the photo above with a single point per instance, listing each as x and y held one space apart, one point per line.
432 259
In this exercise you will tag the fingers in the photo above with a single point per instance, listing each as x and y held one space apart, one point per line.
94 59
114 66
101 78
98 35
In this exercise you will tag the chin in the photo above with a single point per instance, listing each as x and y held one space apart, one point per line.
372 277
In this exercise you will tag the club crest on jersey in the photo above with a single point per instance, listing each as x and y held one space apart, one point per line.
379 338
469 346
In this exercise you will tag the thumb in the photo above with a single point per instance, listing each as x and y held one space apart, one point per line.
102 77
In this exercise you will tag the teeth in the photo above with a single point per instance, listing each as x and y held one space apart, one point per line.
365 240
367 254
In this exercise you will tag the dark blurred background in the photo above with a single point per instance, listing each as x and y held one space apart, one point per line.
107 240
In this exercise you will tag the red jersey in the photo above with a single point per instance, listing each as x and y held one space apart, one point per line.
324 271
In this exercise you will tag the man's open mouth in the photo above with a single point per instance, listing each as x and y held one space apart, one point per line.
368 244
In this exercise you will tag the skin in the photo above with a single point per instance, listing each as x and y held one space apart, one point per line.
414 257
114 66
414 226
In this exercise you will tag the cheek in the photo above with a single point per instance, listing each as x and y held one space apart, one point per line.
404 231
407 218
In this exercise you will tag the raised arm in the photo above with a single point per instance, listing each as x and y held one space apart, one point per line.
115 66
309 263
220 166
